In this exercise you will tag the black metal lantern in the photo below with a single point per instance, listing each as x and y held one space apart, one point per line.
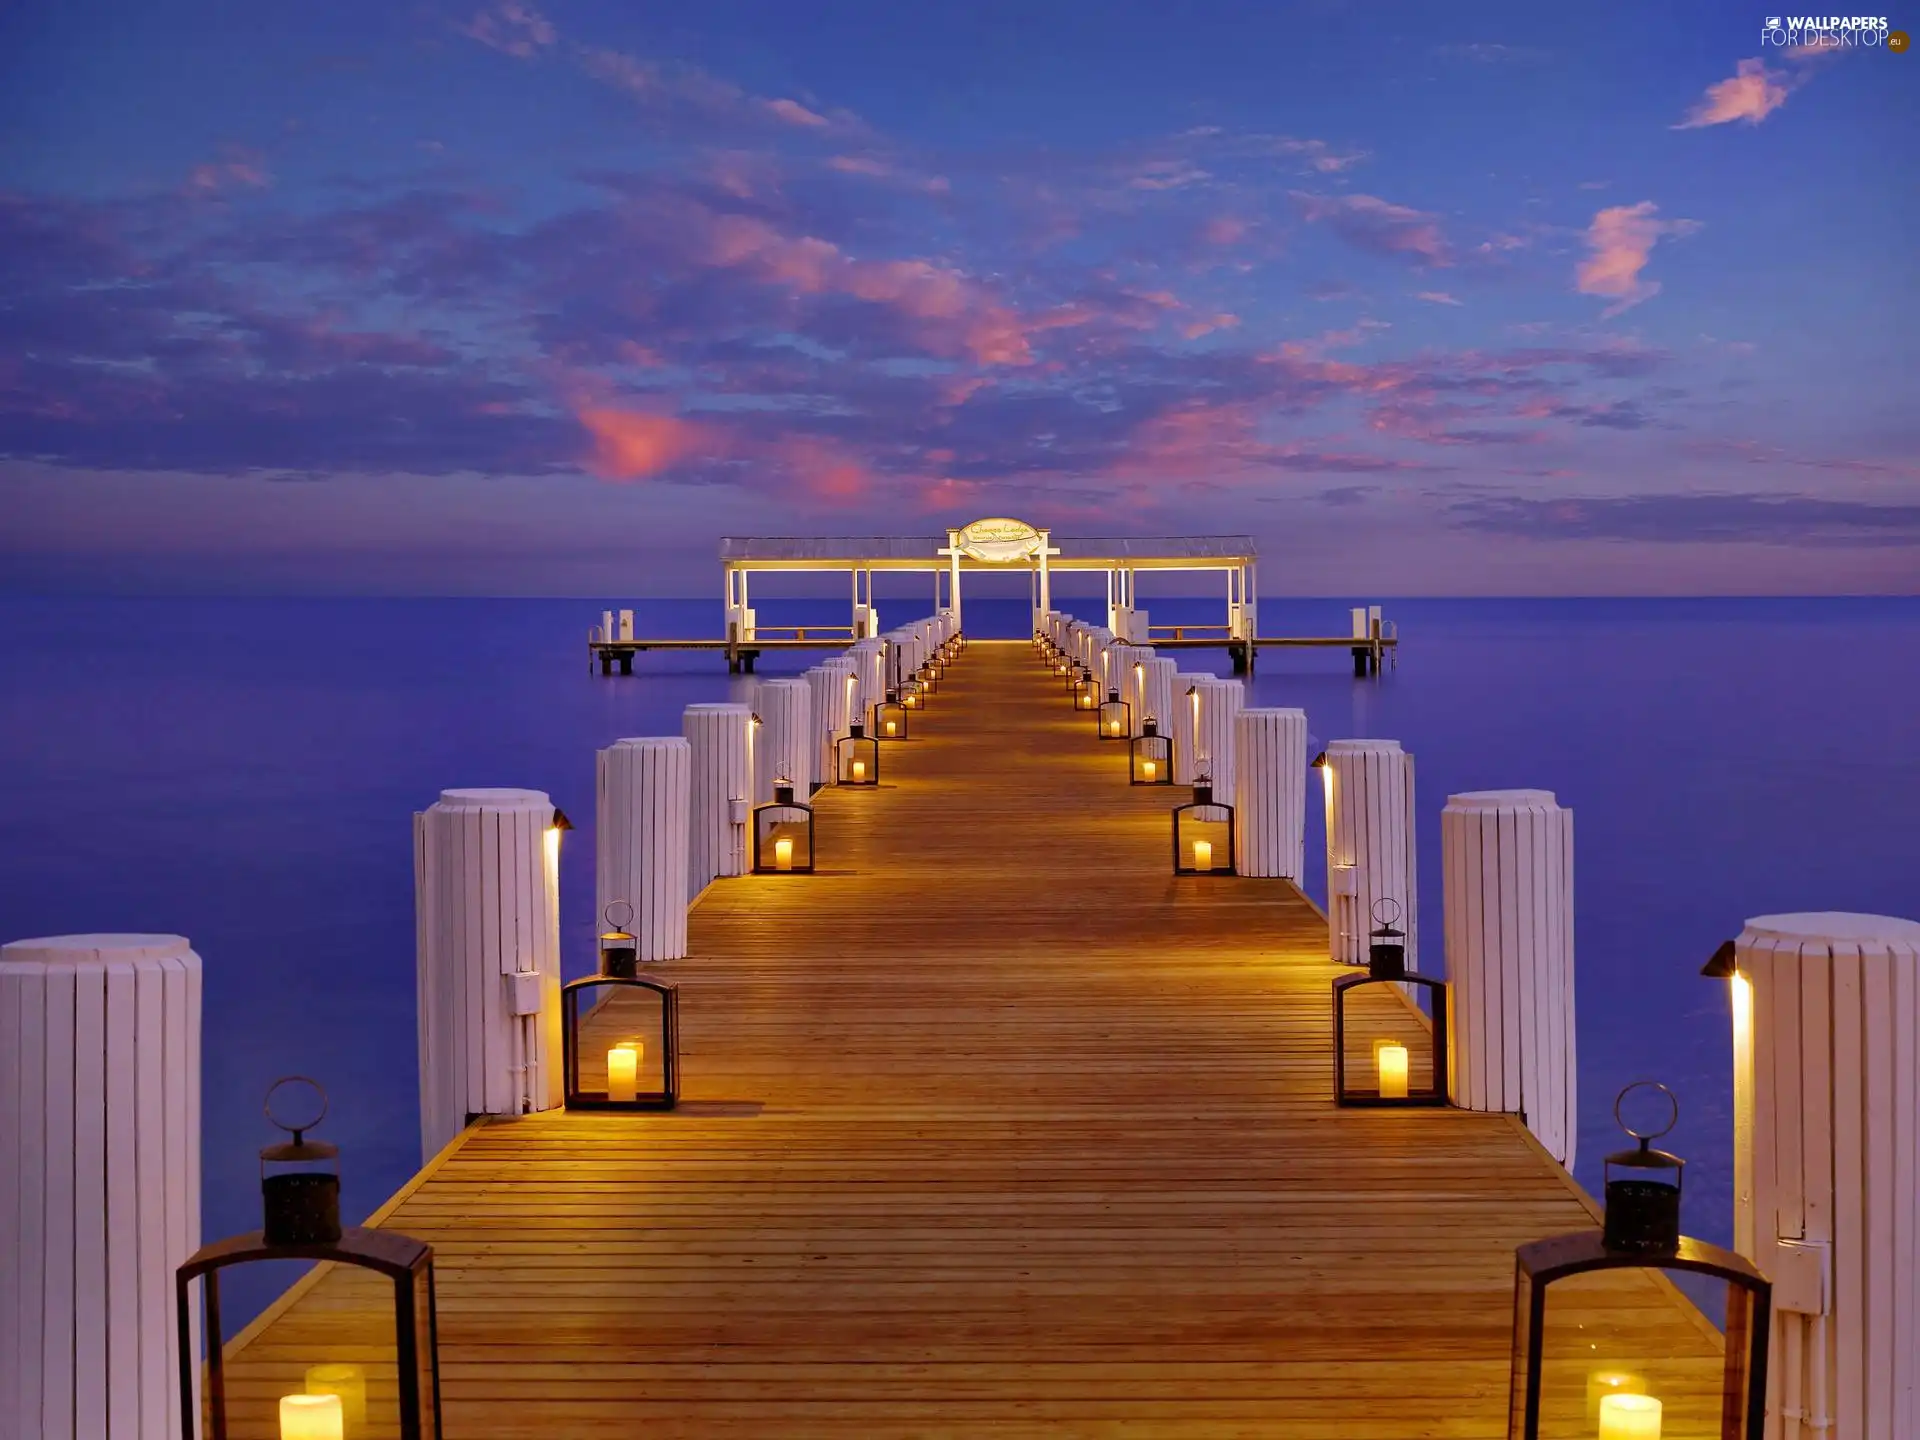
913 694
300 1202
856 757
1063 665
929 677
1396 1081
1084 689
1116 718
783 833
1585 1360
890 718
1203 833
612 1069
1150 759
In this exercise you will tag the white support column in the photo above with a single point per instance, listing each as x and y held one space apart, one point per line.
1826 1034
1133 688
1370 854
1507 877
721 793
1183 730
1046 547
870 664
1158 687
642 818
99 1181
784 746
626 624
821 683
1213 755
838 693
1270 792
606 625
487 910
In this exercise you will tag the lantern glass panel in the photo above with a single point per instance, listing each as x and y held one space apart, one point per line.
782 839
1628 1331
1383 1054
1203 839
929 678
1115 718
912 695
1152 760
890 720
857 759
621 1041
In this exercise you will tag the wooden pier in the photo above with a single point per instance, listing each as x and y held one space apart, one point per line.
992 1128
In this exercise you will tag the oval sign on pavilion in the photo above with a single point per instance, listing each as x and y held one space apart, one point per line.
998 541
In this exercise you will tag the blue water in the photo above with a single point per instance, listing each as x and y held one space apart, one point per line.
244 773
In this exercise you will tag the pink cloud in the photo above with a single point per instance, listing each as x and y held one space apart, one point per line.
1621 238
236 168
794 113
1206 325
1753 93
1224 230
1437 297
825 471
512 28
878 169
1370 223
632 445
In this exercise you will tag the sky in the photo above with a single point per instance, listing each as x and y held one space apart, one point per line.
517 298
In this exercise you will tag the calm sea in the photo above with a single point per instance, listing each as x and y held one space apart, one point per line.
244 772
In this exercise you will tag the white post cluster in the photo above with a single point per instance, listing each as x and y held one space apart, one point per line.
1220 701
1269 794
100 1163
785 743
1826 1016
1507 877
1370 854
487 910
721 793
642 838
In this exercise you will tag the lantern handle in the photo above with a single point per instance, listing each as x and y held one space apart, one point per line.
1393 911
1647 1137
297 1131
613 905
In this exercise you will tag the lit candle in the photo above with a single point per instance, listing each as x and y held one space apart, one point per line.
1203 855
311 1417
1629 1417
623 1072
783 854
1113 727
1602 1383
346 1381
859 770
1149 768
893 727
1391 1061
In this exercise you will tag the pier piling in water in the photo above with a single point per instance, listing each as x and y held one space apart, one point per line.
1826 1039
100 1163
487 915
642 838
1370 849
1269 794
1507 877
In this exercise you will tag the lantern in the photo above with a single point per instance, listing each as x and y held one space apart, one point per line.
856 757
611 1069
929 677
300 1204
1150 759
1582 1363
1063 664
912 694
1116 718
890 718
1085 692
1203 833
1391 1078
783 834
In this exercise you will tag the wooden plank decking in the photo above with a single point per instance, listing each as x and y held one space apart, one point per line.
992 1128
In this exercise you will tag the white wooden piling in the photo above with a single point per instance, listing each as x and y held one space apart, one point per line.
1826 1030
99 1181
1133 684
1182 727
626 624
1370 852
870 664
1507 878
1270 792
1220 700
487 914
838 693
785 743
606 625
821 683
642 819
1158 687
721 793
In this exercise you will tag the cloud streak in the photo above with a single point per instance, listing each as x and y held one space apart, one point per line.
1752 93
1620 242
